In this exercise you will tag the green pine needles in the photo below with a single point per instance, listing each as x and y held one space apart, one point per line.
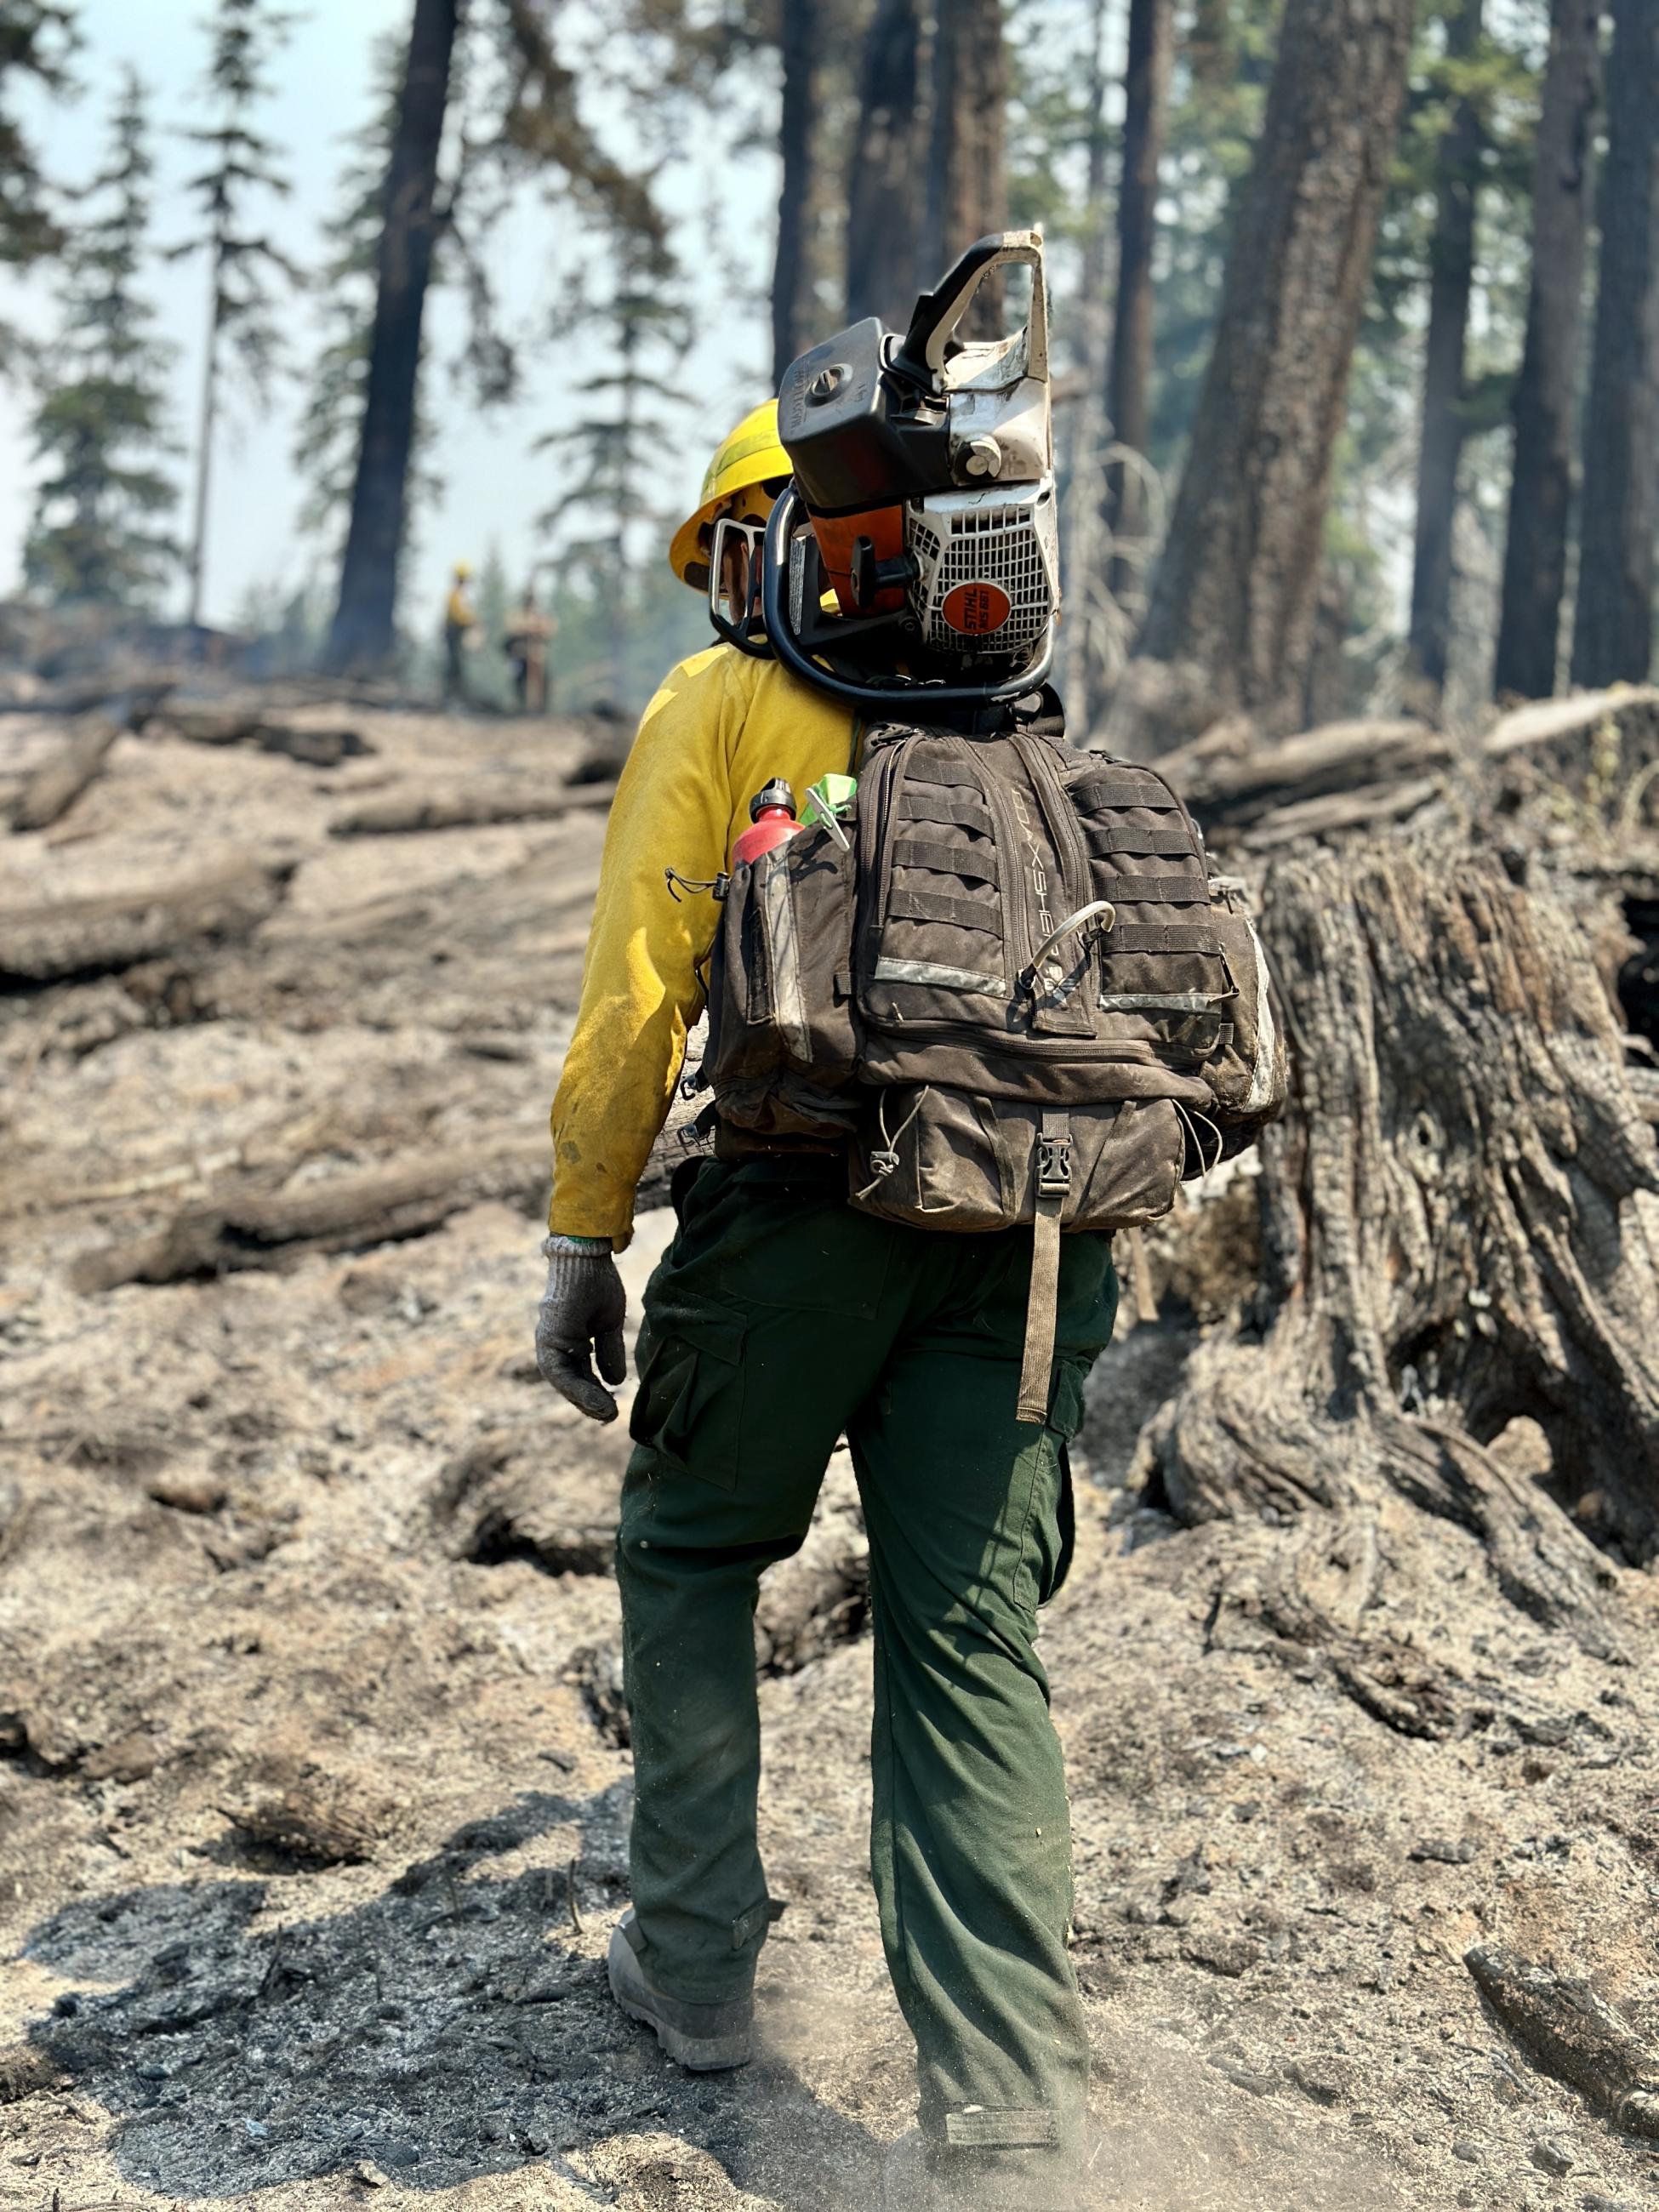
100 530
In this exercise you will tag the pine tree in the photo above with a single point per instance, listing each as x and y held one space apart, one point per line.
36 40
242 172
99 529
618 452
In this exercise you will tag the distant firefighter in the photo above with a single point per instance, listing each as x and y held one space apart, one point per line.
525 642
460 621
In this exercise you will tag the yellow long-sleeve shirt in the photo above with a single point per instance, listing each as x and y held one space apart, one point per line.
722 725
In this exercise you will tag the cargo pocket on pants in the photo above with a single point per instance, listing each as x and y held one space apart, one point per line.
688 1410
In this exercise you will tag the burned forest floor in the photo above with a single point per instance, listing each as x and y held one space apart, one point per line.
315 1777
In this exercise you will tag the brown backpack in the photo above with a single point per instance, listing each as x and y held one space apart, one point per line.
1010 988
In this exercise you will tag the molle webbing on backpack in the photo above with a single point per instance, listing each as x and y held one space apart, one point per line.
1018 988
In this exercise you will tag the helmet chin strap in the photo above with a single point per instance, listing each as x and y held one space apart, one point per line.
913 695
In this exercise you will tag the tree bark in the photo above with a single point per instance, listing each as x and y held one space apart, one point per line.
1612 638
1146 117
883 190
1451 282
1232 614
1460 1227
1540 490
364 632
967 181
792 287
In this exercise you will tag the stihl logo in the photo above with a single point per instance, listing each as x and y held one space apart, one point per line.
975 610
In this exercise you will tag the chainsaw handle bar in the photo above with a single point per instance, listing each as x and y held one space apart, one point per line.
939 312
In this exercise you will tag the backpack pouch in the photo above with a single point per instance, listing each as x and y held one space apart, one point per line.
941 1159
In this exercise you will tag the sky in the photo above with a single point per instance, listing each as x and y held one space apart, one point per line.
495 482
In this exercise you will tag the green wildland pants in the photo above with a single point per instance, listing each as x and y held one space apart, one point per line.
779 1319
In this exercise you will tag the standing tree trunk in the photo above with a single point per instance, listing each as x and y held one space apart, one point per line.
1087 642
207 429
363 633
1540 489
1451 282
1145 115
967 181
1232 615
882 191
1613 633
792 287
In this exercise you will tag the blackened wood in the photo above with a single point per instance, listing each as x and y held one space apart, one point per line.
1612 635
1234 606
967 157
1146 113
1540 489
884 185
792 290
363 633
1451 284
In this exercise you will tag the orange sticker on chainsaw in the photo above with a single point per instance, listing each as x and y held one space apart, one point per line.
976 609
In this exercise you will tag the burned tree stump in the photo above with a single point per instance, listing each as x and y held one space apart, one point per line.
1460 1227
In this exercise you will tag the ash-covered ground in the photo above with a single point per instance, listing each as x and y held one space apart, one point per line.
314 1769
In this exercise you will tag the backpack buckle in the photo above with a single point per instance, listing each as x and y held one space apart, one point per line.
1054 1162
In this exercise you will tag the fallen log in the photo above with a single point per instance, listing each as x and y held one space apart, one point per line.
256 1221
1337 812
1563 2026
53 788
1457 1214
401 813
252 725
1238 787
102 935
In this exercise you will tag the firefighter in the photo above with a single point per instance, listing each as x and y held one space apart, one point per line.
737 1413
460 622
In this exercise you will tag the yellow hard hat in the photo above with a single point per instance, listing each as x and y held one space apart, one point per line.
745 460
463 569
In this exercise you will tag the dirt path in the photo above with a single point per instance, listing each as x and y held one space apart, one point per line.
313 1776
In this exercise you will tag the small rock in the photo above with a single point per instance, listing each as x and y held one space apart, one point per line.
1231 1955
1552 2157
185 1492
130 1759
369 2175
1469 2151
1443 1850
1328 2081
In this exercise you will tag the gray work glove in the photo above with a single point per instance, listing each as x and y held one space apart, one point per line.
581 1312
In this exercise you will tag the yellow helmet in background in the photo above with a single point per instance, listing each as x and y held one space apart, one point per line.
746 461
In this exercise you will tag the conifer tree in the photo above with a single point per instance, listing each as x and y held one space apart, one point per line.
99 530
36 40
617 450
241 175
